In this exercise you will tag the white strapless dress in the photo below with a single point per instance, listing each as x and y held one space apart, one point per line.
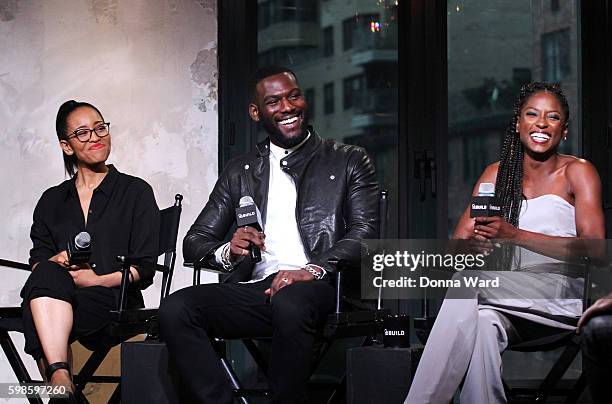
469 334
551 215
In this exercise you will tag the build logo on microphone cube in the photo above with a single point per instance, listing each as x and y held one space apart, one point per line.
247 216
485 206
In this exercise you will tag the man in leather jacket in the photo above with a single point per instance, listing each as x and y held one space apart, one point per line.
318 200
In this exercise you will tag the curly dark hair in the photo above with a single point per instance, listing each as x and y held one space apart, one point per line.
509 181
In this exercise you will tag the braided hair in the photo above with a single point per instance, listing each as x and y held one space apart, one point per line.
509 181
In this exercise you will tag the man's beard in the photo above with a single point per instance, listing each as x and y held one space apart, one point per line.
277 137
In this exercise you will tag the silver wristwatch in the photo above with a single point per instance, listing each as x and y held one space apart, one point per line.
315 270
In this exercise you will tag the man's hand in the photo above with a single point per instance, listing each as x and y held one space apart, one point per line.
284 278
487 228
601 306
85 277
242 239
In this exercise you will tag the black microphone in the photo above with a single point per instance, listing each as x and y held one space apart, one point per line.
248 215
485 204
79 248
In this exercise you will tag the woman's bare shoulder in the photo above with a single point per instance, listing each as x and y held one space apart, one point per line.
576 166
580 173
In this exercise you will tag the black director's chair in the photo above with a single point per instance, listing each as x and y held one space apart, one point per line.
10 320
349 319
543 338
569 341
125 324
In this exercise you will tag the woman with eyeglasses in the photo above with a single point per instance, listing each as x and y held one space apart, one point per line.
64 301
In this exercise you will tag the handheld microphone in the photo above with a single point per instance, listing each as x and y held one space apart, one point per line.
248 215
485 204
79 248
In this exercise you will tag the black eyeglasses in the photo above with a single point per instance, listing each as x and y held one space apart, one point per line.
102 130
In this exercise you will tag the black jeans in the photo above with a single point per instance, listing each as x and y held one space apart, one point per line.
191 316
597 357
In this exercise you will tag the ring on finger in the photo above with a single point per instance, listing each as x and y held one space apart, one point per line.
285 280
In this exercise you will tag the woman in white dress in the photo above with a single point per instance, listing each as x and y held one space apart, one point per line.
545 196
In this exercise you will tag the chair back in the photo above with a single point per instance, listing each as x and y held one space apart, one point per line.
168 233
349 288
383 208
169 220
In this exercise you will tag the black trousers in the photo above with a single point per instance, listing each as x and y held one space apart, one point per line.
597 357
91 307
191 316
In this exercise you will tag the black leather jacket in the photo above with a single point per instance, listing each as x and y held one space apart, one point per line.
337 201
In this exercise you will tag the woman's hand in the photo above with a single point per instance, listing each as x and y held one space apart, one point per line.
488 228
481 245
84 278
61 258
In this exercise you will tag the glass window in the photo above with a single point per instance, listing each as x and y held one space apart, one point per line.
554 5
347 33
556 55
309 95
307 10
358 30
495 46
353 88
264 17
328 41
287 11
328 98
287 55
